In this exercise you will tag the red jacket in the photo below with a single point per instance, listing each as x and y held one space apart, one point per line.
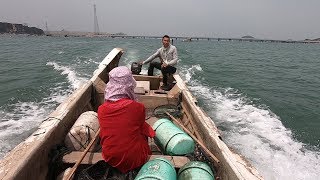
123 133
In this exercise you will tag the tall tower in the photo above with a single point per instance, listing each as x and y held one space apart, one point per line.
96 26
47 29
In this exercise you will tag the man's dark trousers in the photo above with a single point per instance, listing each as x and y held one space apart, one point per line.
165 71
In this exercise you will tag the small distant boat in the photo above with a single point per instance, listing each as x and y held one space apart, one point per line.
187 40
31 158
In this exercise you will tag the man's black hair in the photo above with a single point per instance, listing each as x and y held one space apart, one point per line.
165 36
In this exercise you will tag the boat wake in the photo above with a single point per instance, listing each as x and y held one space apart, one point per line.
18 122
20 119
254 131
74 80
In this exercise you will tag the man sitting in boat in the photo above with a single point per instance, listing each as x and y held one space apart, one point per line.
168 59
123 130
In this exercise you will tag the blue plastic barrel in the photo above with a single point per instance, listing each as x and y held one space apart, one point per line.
158 168
171 139
195 170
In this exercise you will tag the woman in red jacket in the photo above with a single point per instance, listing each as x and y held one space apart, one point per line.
123 130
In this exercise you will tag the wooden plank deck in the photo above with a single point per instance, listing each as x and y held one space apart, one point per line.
92 158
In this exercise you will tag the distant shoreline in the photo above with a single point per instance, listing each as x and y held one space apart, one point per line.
19 29
182 38
22 29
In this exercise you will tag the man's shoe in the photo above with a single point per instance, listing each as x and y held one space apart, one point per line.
165 87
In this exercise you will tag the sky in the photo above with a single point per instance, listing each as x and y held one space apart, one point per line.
263 19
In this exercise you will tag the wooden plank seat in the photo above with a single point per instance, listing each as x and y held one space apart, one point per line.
139 90
92 158
144 84
142 87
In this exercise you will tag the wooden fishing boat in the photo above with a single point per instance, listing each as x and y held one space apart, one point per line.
31 158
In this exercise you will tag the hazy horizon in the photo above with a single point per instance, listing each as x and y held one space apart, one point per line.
288 19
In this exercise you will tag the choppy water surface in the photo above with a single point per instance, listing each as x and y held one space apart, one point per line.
264 97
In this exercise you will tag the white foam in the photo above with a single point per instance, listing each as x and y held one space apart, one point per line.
23 117
189 72
256 133
131 56
74 80
90 61
16 124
